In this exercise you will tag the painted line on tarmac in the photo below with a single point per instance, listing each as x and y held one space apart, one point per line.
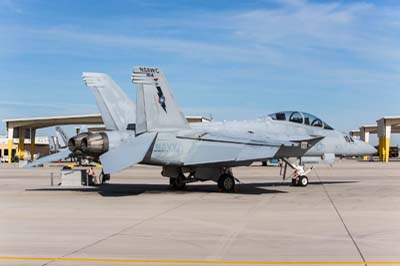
342 220
199 262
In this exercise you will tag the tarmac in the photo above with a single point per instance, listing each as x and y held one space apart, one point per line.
348 215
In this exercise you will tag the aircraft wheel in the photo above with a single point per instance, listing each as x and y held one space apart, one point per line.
303 181
107 177
103 178
294 182
175 183
226 182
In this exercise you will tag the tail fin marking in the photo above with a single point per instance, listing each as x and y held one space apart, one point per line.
155 103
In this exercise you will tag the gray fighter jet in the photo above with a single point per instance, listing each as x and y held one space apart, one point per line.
157 133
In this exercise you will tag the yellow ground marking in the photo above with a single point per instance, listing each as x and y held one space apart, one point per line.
205 262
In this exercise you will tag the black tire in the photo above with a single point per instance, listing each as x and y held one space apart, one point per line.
172 183
294 182
180 186
220 184
226 182
176 184
303 181
103 178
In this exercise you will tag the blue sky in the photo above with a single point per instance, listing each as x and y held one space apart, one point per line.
233 59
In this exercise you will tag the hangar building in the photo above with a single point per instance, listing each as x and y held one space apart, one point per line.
384 127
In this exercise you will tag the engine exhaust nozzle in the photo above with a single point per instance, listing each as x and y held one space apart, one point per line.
74 144
95 144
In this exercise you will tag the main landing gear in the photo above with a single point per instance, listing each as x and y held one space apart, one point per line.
299 175
177 183
226 183
223 176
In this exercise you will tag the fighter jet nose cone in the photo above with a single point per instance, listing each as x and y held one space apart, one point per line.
363 148
368 149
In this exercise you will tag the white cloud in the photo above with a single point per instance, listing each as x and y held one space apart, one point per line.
361 29
53 105
298 31
199 50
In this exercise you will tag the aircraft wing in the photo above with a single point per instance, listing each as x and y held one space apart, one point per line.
216 147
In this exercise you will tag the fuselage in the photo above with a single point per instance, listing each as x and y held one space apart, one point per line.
173 149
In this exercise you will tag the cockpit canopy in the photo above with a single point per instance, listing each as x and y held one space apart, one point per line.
300 118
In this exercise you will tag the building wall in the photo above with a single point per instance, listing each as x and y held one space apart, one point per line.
4 149
41 147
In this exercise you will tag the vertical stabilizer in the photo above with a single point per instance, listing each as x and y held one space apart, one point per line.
117 110
156 108
62 137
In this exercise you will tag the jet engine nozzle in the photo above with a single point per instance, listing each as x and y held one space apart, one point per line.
74 144
95 144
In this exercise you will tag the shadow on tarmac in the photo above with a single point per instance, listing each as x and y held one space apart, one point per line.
121 190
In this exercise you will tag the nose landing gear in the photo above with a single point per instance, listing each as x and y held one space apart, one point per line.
300 181
299 175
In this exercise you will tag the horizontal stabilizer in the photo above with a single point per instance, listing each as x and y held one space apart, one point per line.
128 153
63 153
